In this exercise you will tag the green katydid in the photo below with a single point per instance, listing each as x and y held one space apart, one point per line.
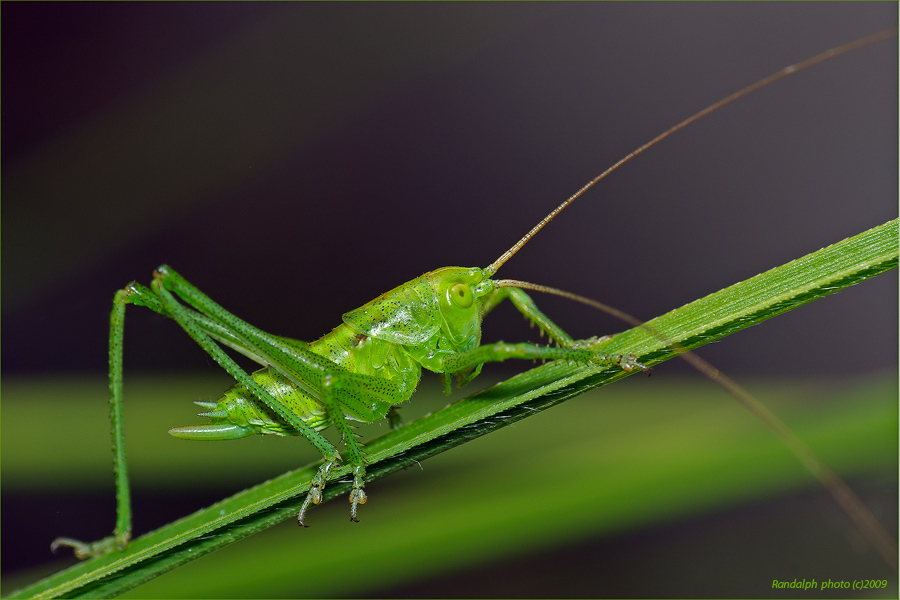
364 367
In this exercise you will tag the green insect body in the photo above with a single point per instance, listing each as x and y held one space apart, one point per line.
392 338
357 372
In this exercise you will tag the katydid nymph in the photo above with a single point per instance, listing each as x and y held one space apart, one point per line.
365 366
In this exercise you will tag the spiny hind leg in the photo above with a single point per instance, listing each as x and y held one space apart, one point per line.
215 325
342 393
131 294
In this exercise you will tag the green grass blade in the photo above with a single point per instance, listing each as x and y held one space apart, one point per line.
706 320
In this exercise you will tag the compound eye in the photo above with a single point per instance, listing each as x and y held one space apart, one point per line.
461 295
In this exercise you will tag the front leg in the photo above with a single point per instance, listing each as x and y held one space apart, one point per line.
525 305
568 347
580 351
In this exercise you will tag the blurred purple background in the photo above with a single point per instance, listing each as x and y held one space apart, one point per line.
296 160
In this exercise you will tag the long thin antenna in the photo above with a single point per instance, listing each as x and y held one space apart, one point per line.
837 51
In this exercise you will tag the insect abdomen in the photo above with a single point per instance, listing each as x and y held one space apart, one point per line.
238 414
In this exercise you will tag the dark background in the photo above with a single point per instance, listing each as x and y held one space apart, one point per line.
296 160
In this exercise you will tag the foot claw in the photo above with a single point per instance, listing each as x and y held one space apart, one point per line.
314 495
316 487
83 550
629 363
357 494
